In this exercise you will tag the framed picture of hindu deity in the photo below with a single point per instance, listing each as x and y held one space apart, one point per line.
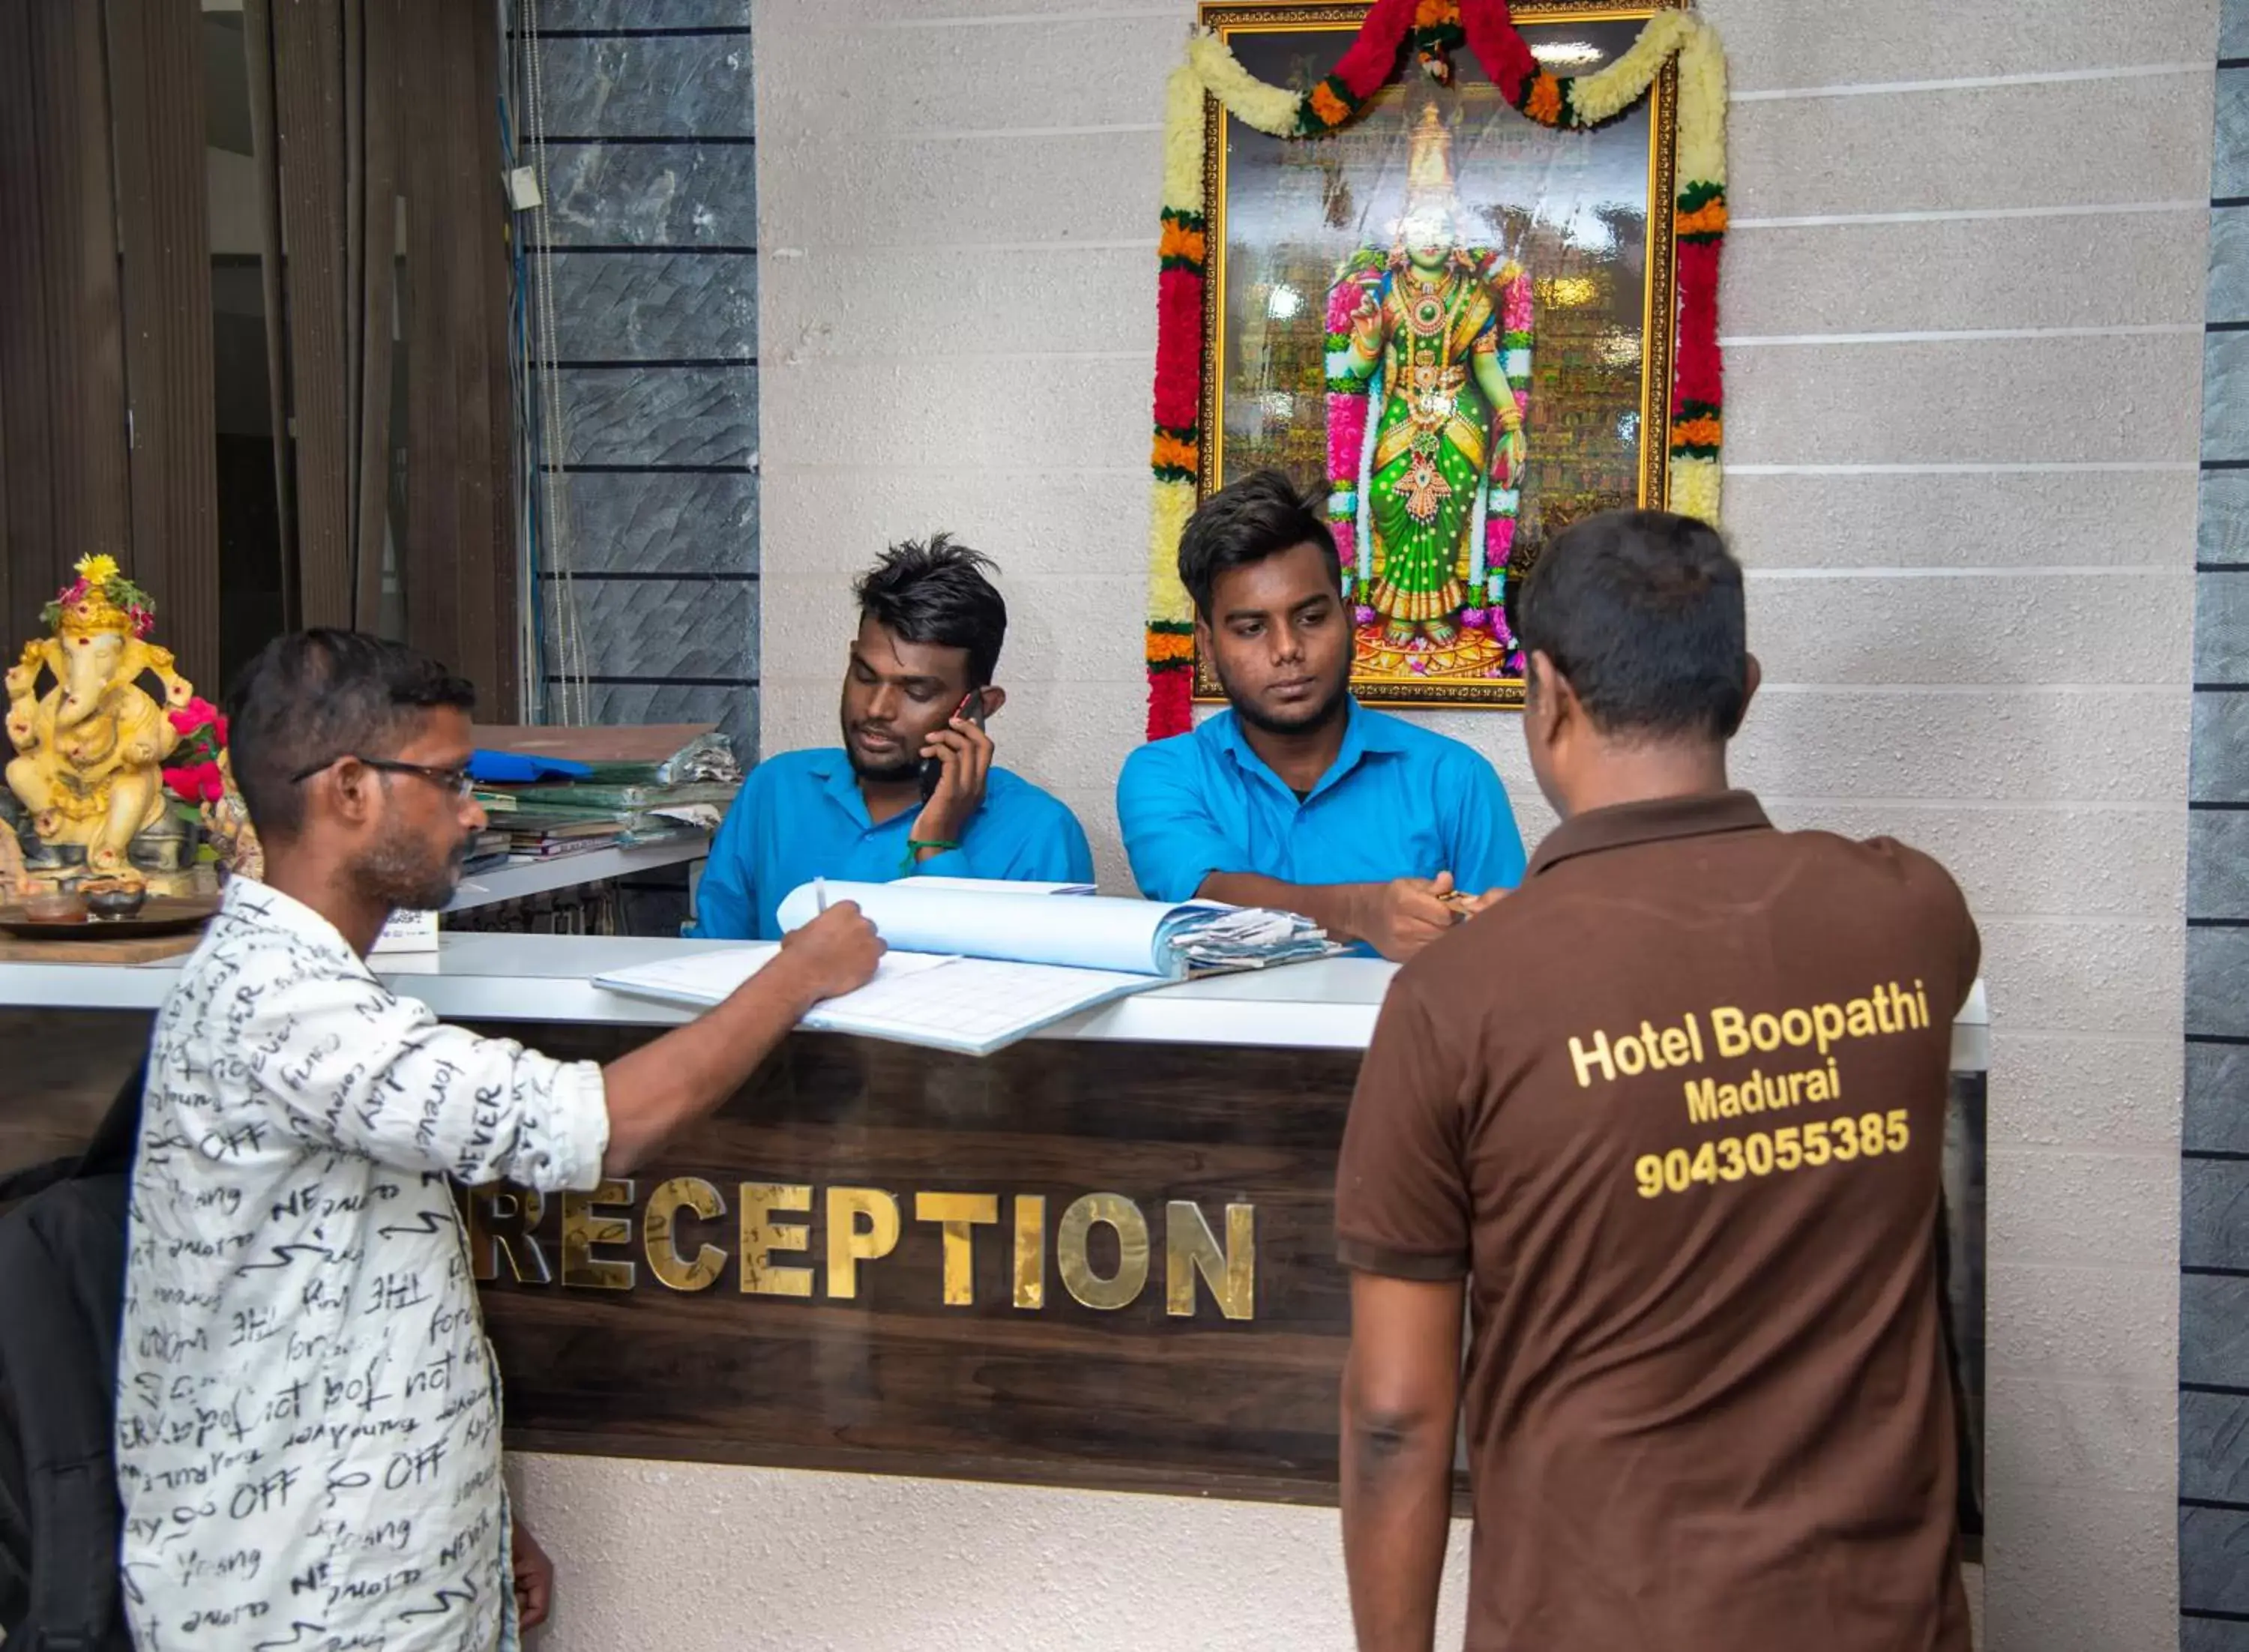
1456 323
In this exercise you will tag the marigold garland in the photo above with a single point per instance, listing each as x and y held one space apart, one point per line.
1437 27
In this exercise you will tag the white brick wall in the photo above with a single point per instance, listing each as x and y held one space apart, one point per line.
958 221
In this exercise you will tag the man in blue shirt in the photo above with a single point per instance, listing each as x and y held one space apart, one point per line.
919 687
1296 796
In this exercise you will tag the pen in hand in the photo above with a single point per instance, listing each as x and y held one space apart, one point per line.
820 895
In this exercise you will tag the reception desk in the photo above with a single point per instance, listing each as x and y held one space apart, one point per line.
1040 1350
1100 1259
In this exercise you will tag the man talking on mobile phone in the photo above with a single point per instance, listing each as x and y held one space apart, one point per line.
913 790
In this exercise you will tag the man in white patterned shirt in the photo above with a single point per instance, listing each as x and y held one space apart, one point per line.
307 1414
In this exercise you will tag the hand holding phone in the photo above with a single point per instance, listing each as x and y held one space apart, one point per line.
932 768
956 761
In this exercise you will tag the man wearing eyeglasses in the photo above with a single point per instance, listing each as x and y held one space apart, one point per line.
308 1416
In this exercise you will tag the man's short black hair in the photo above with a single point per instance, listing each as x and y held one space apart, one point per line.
1642 611
1261 515
935 592
313 696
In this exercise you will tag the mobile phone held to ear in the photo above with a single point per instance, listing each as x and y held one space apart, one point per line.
932 768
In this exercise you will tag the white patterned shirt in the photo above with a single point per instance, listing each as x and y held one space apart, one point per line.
307 1411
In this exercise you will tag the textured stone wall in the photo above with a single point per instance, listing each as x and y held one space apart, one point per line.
1964 309
649 119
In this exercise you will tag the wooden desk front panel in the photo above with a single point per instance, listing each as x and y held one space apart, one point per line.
894 1378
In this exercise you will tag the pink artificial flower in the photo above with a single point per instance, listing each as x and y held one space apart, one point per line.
1364 614
1343 303
180 783
1346 437
1517 316
1474 618
1347 538
1498 541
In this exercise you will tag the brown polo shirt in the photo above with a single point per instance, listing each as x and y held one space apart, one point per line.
1675 1108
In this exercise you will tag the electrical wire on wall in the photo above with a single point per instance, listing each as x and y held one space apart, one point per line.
554 630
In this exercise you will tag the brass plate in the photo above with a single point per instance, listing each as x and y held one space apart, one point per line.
163 915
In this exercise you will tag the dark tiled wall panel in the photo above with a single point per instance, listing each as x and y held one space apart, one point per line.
646 306
644 14
652 522
691 86
677 193
698 417
2214 1178
649 244
701 630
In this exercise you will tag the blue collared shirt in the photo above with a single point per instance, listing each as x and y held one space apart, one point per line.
799 817
1398 802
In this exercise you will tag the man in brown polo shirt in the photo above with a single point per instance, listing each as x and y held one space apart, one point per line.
1671 1116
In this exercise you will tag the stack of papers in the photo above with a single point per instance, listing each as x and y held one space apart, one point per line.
971 1006
973 966
1084 932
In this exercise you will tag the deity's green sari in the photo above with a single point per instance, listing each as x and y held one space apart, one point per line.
1431 446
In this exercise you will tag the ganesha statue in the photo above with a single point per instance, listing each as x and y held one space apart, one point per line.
89 752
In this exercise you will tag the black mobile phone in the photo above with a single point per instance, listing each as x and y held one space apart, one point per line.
932 768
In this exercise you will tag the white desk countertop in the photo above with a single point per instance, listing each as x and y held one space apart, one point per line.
1327 1005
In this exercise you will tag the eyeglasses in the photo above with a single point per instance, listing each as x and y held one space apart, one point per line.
455 780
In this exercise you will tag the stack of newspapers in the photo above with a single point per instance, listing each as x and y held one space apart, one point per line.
1203 936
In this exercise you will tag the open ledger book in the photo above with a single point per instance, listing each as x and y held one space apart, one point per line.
974 971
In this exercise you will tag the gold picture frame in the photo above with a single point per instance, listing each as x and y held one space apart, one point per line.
1584 215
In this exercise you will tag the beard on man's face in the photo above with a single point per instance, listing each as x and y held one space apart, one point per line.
891 768
407 871
1302 718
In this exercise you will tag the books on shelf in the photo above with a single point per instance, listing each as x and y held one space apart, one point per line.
564 791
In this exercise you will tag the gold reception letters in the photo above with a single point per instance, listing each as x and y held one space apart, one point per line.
1119 1214
860 1227
589 1219
959 1215
692 1196
761 1237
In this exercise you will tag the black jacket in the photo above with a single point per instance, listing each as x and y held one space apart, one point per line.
62 1290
